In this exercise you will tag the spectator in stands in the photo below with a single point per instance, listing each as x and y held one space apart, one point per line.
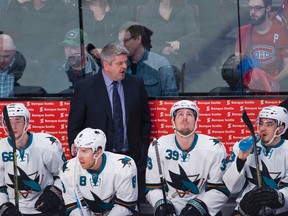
12 66
154 69
232 78
36 25
63 77
266 41
193 165
102 19
93 104
176 32
242 176
213 24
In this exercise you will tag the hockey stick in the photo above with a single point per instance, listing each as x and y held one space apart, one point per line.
155 143
78 201
12 137
248 123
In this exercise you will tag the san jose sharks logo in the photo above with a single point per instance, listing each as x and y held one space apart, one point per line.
97 205
53 140
266 176
65 167
126 161
25 184
216 141
183 184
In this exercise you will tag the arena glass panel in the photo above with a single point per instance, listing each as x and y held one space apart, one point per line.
206 32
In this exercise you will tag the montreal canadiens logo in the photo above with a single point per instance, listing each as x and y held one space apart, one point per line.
265 54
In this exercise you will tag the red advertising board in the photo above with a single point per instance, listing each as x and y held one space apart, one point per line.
220 118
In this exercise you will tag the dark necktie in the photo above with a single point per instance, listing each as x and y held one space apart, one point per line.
118 138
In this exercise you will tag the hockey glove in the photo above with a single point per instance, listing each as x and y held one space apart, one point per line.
50 200
251 203
272 198
8 209
162 211
195 207
246 144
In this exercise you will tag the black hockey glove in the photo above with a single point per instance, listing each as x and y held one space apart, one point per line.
272 198
8 209
50 200
162 211
195 207
251 203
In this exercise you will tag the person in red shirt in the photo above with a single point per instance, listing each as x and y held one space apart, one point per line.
264 39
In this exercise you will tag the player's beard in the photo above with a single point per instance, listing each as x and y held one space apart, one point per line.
258 20
185 131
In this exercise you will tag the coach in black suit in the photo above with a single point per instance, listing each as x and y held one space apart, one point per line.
91 105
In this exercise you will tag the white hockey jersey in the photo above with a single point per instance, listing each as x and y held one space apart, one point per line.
37 165
273 164
112 190
188 174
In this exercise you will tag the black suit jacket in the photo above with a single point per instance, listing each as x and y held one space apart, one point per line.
90 107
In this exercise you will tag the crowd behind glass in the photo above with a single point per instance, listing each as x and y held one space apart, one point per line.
197 37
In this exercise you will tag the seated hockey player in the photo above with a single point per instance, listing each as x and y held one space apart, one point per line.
99 182
193 165
272 151
39 160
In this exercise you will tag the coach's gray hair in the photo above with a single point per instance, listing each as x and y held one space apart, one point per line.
111 50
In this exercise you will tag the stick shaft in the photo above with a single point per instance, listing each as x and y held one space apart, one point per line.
155 143
247 121
12 137
75 185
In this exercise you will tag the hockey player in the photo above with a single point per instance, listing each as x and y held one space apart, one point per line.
39 160
272 150
99 182
193 165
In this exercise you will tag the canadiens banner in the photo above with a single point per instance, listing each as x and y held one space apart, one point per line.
220 118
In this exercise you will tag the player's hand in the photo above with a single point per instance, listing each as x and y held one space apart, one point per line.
251 203
195 207
272 198
162 211
8 209
50 200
